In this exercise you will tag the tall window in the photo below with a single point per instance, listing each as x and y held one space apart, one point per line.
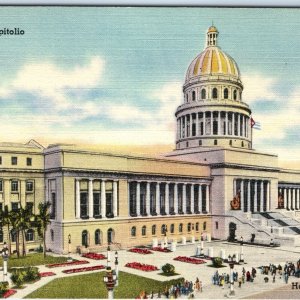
1 206
189 227
84 238
0 160
132 200
203 94
98 237
172 228
197 226
14 206
29 206
29 186
109 205
1 235
133 231
153 229
29 161
180 228
14 160
215 93
204 226
97 205
193 95
53 206
14 186
13 235
1 185
144 230
52 235
29 235
234 95
83 204
163 229
225 93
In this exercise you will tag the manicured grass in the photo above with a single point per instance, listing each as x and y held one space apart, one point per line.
33 259
92 286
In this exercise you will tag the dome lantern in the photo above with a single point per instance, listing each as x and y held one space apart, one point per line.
211 36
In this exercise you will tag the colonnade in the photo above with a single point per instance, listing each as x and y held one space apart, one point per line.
291 197
86 200
221 123
167 198
254 194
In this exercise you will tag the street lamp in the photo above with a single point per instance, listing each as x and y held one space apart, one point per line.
231 265
69 247
242 250
111 277
5 255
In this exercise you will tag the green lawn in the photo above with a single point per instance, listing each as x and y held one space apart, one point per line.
33 259
92 286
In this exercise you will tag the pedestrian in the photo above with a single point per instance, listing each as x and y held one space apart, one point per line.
286 277
240 282
274 278
197 284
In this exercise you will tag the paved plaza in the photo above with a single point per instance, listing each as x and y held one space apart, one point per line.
254 257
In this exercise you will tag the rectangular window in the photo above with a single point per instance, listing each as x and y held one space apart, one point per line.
29 186
97 207
29 161
1 185
109 205
0 160
83 204
53 206
14 160
14 206
29 206
14 186
1 206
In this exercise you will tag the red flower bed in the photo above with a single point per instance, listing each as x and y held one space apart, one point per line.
160 249
93 255
140 251
142 267
9 293
190 260
84 269
46 274
71 263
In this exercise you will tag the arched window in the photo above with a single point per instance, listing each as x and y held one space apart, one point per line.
242 144
29 235
230 142
189 227
163 229
84 238
204 226
215 142
217 225
193 95
144 230
133 231
153 229
187 98
234 95
197 226
52 235
225 93
203 94
97 237
1 236
172 228
215 93
180 228
110 236
13 235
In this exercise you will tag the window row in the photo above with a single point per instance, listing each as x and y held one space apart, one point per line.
216 143
215 94
15 186
16 205
164 229
14 161
29 235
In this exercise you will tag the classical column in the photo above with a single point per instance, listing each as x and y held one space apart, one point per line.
219 123
268 196
297 205
255 196
242 195
226 123
293 198
234 187
103 199
148 198
232 125
249 197
157 198
115 198
167 200
289 198
138 198
200 197
77 195
184 198
261 208
91 199
176 198
192 198
285 199
239 124
207 206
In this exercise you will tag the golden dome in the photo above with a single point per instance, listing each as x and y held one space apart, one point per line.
212 29
212 61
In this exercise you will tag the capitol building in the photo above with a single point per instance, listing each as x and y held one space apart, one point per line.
212 185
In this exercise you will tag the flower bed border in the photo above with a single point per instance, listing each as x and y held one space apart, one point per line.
83 269
9 293
160 249
47 274
190 260
65 264
140 251
141 267
93 255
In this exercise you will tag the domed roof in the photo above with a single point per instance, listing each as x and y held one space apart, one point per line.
212 61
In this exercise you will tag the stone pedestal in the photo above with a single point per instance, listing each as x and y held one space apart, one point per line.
154 242
222 254
173 246
210 252
193 240
183 239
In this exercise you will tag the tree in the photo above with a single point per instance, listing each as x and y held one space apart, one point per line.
42 220
6 221
15 224
24 222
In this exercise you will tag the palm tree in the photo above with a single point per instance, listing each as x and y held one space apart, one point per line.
16 227
24 222
42 220
6 221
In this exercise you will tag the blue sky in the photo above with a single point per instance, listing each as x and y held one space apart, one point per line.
114 75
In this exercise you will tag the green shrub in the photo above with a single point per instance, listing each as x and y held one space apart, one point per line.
217 262
168 269
3 287
31 274
18 277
